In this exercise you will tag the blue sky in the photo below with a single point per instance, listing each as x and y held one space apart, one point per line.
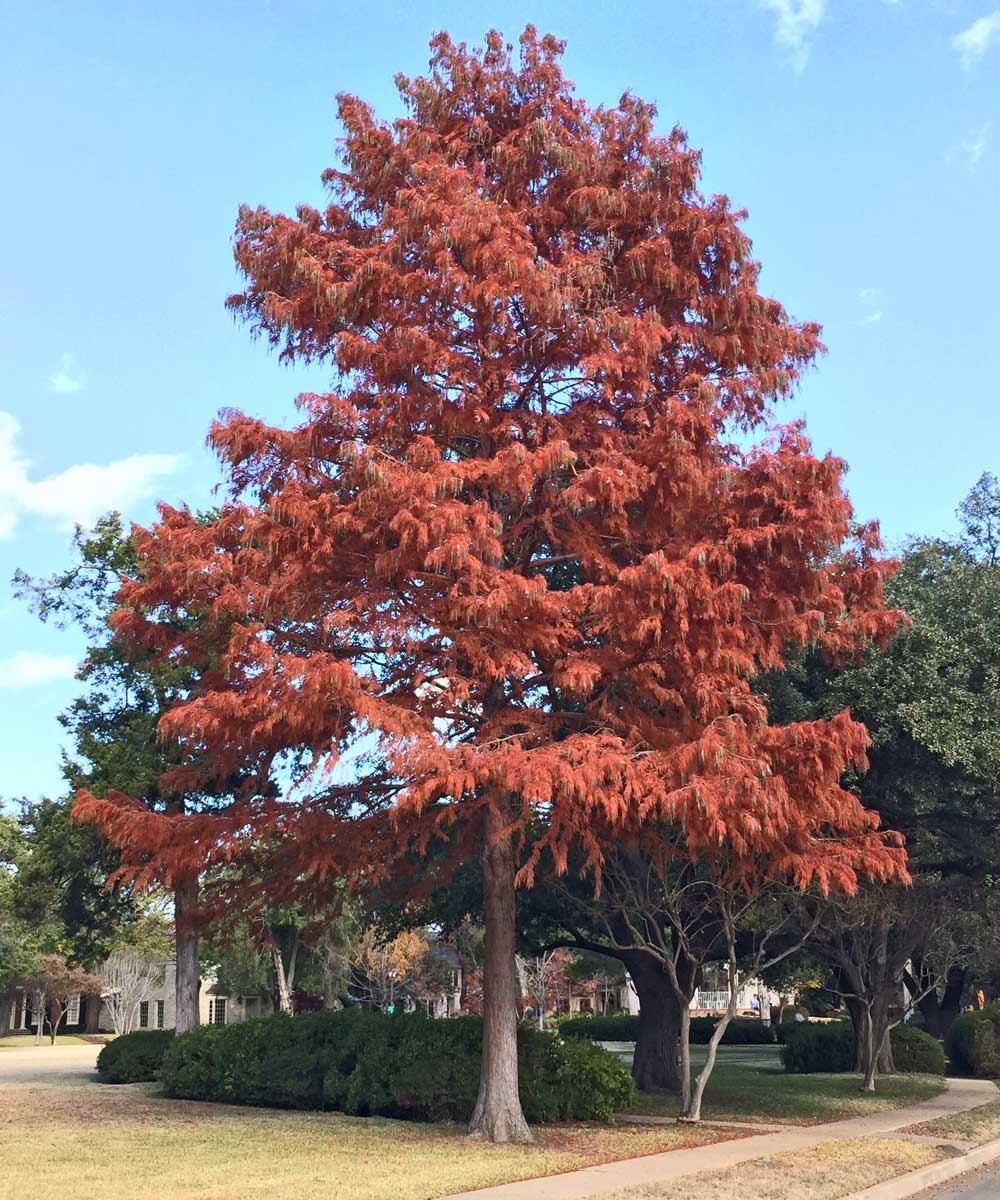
862 135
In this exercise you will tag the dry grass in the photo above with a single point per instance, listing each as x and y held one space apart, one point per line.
122 1143
769 1095
824 1172
977 1125
23 1042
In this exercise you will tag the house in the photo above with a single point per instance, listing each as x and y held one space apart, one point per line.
157 1011
448 1001
710 999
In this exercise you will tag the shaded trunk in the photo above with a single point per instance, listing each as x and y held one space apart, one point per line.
498 1114
654 1066
188 967
92 1014
6 1013
940 1011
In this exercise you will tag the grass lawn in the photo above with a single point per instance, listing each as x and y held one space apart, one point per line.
27 1042
122 1143
977 1125
825 1172
738 1092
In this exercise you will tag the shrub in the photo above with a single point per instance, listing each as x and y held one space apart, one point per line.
739 1032
601 1029
828 1047
134 1057
915 1052
407 1065
813 1047
973 1042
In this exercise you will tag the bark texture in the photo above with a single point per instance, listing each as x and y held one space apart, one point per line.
498 1114
188 966
654 1066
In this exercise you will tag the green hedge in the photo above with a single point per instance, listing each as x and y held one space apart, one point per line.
739 1032
818 1047
369 1064
828 1048
601 1029
134 1057
973 1042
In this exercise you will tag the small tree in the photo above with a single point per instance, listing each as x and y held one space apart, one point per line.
537 974
683 915
870 941
54 984
129 979
385 970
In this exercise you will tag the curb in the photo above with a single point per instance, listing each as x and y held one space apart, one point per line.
917 1181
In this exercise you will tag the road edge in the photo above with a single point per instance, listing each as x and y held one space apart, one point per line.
918 1181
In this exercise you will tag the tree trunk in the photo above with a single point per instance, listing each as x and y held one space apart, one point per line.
188 969
940 1012
654 1066
869 1049
498 1114
55 1019
692 1106
281 978
39 1017
6 1013
685 1040
92 1013
872 1043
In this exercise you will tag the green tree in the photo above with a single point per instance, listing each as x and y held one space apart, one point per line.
931 702
19 945
115 747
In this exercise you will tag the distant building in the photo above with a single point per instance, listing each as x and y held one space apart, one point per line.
158 1011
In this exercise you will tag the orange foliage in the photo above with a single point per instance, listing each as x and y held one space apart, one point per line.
520 556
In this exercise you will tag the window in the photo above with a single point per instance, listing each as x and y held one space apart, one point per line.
143 1014
73 1011
217 1011
159 1014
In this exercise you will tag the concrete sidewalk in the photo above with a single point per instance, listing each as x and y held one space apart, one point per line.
958 1096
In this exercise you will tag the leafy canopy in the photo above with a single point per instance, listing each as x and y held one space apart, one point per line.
515 563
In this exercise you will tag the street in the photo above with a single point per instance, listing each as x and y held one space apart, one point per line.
48 1064
979 1185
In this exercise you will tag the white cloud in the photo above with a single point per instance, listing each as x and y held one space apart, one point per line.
79 494
67 378
972 148
797 21
972 43
33 666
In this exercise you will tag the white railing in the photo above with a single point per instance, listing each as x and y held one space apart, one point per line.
713 1000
